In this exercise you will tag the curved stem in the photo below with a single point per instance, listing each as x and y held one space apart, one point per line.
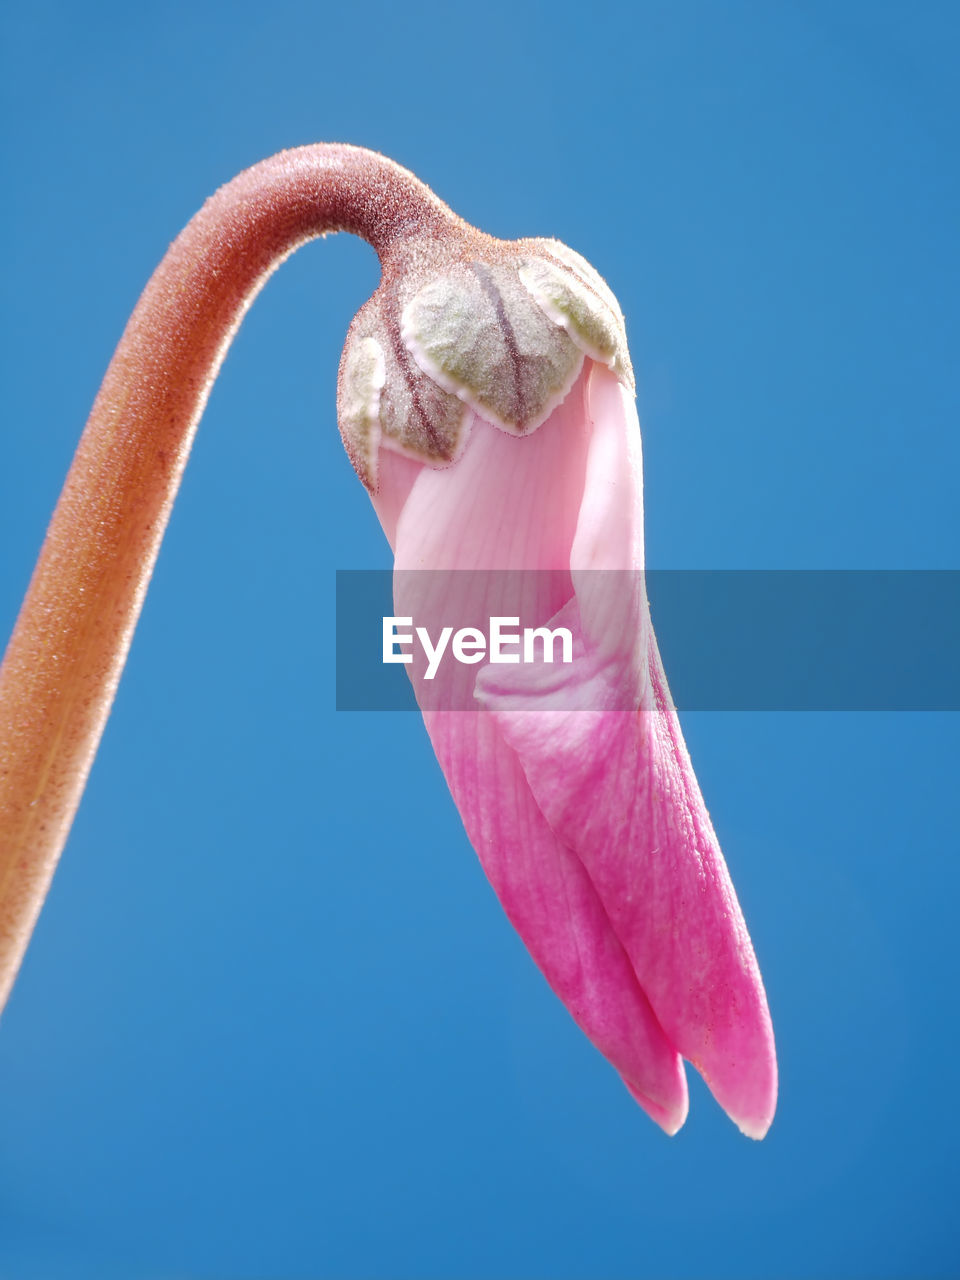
64 660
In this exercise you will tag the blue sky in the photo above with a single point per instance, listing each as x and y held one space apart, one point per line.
273 1022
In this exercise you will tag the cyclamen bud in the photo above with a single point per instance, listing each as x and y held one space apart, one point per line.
486 402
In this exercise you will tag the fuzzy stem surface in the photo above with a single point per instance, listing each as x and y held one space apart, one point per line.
65 657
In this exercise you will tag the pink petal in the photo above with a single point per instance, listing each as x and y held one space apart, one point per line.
574 784
397 474
617 787
507 503
550 901
608 541
602 750
512 503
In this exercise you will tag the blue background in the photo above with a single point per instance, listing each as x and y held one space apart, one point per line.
273 1023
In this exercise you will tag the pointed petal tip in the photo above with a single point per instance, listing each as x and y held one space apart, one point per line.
752 1115
747 1091
749 1096
755 1129
670 1119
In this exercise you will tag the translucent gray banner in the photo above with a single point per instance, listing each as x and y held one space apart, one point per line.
738 640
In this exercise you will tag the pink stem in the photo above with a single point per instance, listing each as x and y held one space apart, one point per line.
67 651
